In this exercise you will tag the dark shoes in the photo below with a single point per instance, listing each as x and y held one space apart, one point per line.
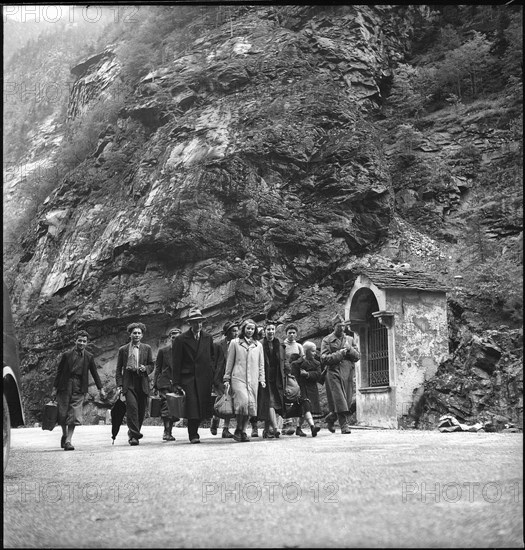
289 431
214 426
315 430
132 441
167 437
255 433
195 440
237 435
330 426
267 434
299 432
63 442
244 437
68 446
226 434
346 429
276 434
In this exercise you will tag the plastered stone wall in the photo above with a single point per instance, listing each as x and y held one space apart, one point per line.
421 340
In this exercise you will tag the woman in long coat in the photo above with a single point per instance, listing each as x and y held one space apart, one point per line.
244 371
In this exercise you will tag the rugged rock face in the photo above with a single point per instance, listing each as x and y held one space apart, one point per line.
239 177
481 382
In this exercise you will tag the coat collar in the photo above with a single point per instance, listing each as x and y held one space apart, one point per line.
243 343
332 337
189 334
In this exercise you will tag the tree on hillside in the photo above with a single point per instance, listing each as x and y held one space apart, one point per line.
465 66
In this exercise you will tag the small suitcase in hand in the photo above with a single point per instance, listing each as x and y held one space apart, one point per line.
176 404
155 405
49 416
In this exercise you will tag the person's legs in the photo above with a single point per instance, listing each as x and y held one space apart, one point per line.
64 435
74 412
253 422
167 420
344 422
168 426
274 422
70 432
238 430
193 429
226 434
245 422
313 428
215 420
132 416
142 402
298 430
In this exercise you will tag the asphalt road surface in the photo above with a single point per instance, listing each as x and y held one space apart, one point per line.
372 488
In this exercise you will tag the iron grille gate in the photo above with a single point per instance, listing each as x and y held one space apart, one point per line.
377 354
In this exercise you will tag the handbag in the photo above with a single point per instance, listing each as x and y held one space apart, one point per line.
292 391
176 404
224 406
49 416
155 406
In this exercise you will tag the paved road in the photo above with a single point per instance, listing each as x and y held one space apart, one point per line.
368 489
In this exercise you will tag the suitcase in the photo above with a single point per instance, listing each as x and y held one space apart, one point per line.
155 405
176 404
49 416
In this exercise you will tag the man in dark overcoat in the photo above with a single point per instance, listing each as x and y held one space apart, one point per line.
134 364
193 357
163 384
339 352
71 385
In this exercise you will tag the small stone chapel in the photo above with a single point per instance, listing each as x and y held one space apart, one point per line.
400 319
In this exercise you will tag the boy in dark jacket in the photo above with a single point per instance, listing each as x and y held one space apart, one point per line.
70 386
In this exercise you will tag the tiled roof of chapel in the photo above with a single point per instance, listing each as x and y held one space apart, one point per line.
403 279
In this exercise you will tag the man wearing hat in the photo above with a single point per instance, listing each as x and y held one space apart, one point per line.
193 357
339 352
163 384
230 331
134 364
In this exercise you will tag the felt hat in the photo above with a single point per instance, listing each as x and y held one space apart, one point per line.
195 315
336 319
229 325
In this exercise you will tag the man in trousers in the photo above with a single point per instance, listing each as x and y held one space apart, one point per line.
163 384
71 385
134 364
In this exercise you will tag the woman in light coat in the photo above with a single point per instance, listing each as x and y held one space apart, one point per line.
244 372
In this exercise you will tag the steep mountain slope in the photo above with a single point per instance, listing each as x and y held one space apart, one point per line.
255 158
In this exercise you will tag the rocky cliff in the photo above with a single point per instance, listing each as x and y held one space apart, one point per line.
239 175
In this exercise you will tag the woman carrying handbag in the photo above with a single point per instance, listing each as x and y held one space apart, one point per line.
244 372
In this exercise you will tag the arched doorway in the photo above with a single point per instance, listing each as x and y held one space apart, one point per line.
373 340
375 372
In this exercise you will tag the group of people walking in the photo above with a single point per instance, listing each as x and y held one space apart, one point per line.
250 364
